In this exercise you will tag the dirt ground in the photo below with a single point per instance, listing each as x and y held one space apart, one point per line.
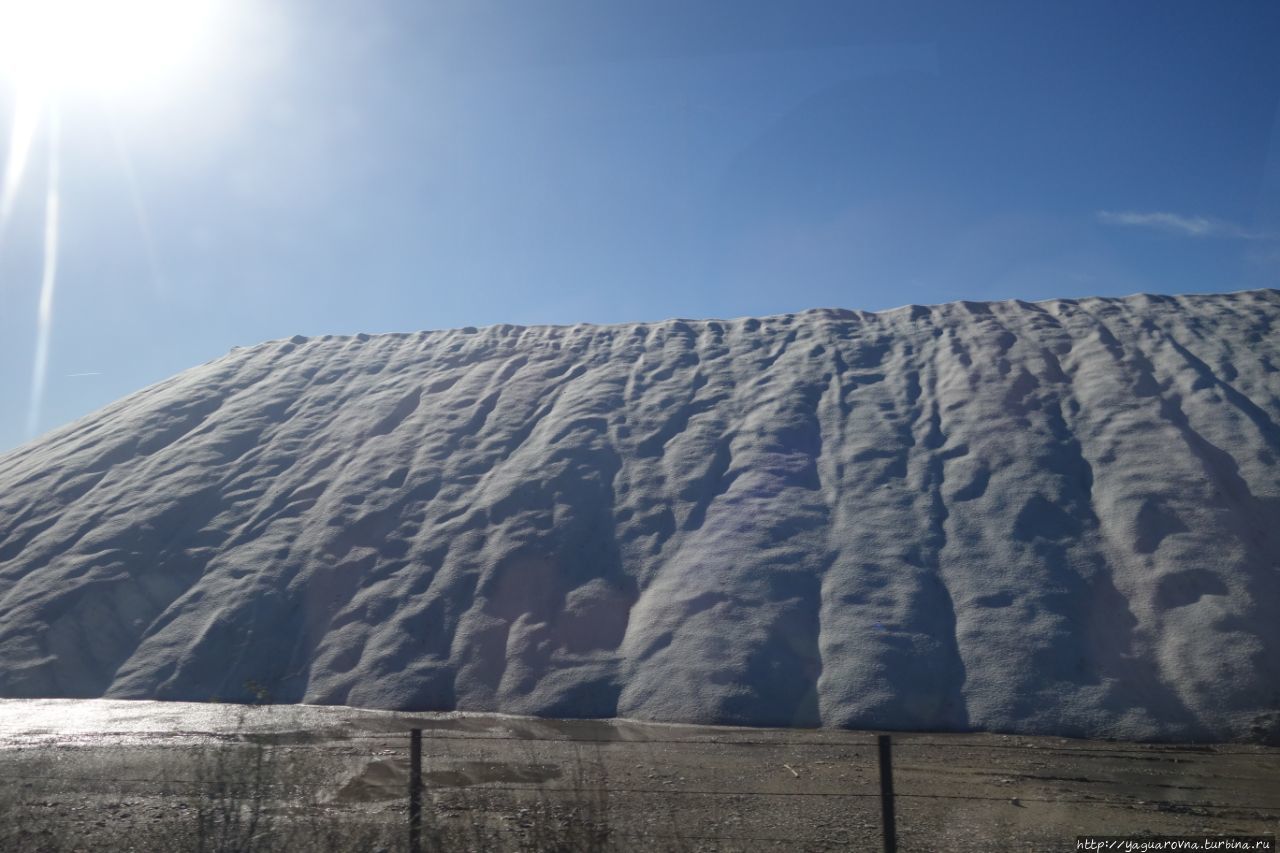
102 782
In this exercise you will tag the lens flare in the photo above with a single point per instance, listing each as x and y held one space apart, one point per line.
139 209
48 48
26 118
48 280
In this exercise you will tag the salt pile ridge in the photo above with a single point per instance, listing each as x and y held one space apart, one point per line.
1061 517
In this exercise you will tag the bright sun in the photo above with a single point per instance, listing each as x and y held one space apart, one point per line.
50 49
107 46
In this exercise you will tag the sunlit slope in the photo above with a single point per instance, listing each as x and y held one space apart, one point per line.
1061 517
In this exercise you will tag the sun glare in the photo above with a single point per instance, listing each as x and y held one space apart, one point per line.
108 46
53 49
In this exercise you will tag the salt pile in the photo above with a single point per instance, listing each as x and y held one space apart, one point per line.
1061 517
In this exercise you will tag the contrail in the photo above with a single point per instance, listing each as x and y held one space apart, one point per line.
87 373
44 322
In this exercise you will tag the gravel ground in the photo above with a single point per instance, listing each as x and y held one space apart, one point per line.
137 776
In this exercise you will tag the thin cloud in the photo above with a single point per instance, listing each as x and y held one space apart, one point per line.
1176 223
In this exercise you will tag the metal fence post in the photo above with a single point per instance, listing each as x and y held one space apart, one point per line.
415 791
886 796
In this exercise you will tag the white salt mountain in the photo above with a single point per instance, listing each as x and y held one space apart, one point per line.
1060 517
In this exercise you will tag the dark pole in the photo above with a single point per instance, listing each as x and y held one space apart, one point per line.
886 796
415 791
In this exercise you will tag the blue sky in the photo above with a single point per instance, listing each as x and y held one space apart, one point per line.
393 165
